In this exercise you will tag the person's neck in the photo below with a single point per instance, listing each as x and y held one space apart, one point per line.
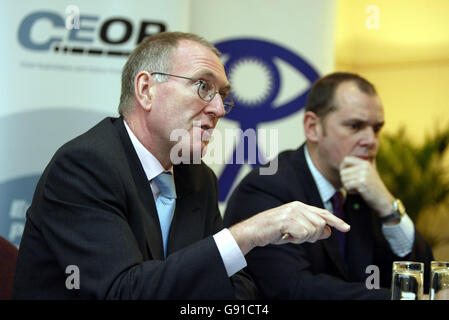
140 129
330 174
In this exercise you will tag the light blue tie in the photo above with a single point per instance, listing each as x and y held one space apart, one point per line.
165 203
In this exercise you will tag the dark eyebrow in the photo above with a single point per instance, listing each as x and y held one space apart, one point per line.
352 120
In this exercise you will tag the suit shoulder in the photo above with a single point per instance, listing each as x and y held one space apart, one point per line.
98 147
282 167
287 184
97 138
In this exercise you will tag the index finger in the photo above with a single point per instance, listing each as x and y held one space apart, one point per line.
334 221
349 161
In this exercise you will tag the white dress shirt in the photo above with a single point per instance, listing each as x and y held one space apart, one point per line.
230 252
400 236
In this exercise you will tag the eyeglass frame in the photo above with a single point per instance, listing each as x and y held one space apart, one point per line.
228 106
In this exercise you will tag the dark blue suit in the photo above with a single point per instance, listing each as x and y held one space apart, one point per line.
93 208
315 270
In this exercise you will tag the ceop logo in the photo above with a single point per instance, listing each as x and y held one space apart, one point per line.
46 31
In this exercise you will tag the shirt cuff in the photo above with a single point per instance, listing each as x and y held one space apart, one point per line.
230 252
401 236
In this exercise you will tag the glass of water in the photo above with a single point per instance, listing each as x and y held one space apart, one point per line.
407 280
439 280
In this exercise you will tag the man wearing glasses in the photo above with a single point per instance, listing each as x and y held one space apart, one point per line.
113 209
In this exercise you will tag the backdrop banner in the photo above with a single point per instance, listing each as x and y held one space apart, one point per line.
61 71
61 67
273 51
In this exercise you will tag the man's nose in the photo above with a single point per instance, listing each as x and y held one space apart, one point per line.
216 107
370 136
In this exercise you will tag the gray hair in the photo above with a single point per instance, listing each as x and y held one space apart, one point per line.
153 54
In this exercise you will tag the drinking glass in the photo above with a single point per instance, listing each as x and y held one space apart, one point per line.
407 280
439 280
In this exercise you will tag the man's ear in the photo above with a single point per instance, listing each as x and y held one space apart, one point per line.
312 126
144 90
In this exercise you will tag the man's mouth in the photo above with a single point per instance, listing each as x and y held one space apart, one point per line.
206 132
366 157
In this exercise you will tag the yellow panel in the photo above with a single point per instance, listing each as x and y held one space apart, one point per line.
406 30
405 53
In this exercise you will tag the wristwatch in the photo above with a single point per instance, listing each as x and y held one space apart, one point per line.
397 214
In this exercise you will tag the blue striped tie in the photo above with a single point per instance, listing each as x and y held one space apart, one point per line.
165 204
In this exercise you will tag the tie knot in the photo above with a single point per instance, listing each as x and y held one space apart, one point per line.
337 202
166 184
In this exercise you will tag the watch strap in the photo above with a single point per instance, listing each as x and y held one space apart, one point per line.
391 217
397 213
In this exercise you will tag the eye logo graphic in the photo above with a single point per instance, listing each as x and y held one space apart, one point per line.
255 105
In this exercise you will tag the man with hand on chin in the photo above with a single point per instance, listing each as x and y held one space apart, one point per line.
359 175
335 169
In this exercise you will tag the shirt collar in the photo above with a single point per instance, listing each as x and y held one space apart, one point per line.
150 164
325 188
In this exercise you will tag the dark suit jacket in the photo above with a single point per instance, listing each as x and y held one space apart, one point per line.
315 270
93 208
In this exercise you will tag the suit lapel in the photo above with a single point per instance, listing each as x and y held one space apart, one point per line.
152 231
331 245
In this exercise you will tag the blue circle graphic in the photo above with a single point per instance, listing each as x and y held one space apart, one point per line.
249 115
239 49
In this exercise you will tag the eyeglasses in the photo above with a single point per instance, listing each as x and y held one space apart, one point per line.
206 91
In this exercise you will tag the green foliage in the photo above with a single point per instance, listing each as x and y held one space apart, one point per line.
415 173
